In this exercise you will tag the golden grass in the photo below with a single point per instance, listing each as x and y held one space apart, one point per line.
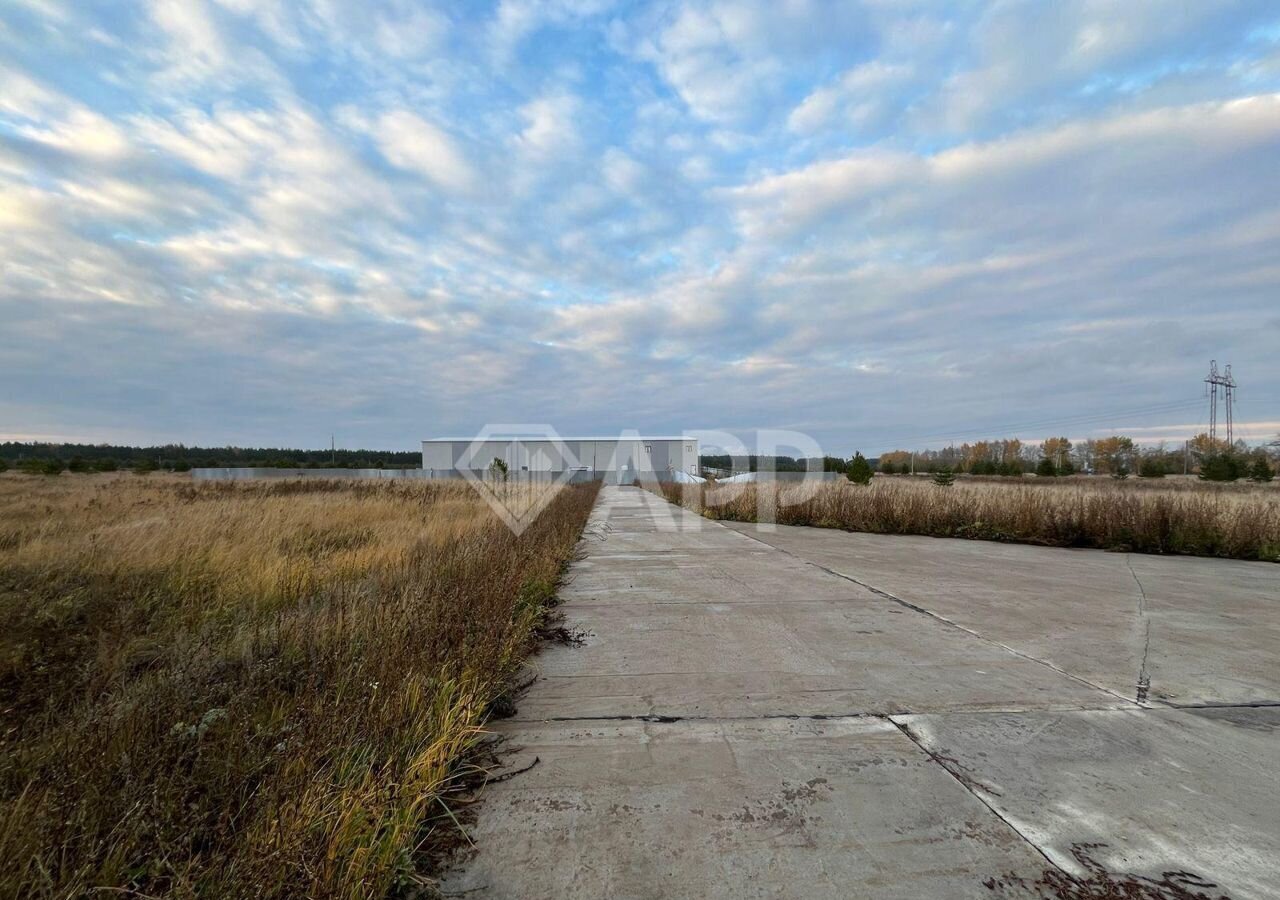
1170 516
250 689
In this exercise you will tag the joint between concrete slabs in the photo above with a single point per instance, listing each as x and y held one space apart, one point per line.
968 786
943 619
662 718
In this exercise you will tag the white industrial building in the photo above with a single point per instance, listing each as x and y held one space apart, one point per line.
616 459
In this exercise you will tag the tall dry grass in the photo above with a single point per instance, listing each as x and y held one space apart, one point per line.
1183 517
250 690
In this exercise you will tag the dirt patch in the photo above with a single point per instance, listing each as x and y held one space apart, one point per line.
560 634
1100 884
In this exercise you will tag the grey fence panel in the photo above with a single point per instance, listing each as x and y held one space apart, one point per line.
269 473
578 476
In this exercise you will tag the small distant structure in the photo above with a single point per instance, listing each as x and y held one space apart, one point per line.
1226 381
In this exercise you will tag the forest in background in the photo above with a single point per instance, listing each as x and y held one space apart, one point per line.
181 458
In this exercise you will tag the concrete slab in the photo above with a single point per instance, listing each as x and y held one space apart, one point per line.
1009 677
772 808
689 654
1164 790
697 620
1209 629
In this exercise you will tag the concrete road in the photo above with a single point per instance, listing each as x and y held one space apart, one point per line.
810 713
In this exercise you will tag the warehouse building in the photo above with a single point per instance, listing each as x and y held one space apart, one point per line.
614 459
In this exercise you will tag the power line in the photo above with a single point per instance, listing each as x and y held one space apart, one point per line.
1056 422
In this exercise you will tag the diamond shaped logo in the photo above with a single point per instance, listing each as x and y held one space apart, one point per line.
519 501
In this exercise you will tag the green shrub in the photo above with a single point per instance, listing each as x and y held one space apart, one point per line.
888 468
78 464
1221 467
4 466
144 466
1120 472
944 477
1046 469
1260 472
106 465
1151 468
859 471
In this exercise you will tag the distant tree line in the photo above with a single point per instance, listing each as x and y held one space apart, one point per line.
1118 456
53 458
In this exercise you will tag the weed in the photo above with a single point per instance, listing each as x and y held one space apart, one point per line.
1150 516
254 689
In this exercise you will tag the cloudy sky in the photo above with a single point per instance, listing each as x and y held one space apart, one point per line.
881 223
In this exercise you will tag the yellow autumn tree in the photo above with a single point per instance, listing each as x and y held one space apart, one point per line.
1110 453
1202 445
1055 449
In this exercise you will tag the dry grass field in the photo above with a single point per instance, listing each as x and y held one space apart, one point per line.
1184 516
233 690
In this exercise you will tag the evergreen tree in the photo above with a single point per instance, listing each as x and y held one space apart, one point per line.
1260 472
1120 471
859 471
888 468
1151 467
944 477
1067 468
1046 469
4 466
1220 467
78 464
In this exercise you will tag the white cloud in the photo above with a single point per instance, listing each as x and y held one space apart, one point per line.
858 96
550 125
196 46
48 117
415 33
412 143
1022 52
728 59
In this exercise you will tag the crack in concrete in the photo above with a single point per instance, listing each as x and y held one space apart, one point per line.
972 787
1256 704
1144 677
667 719
943 619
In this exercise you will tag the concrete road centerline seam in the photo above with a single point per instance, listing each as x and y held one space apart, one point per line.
880 592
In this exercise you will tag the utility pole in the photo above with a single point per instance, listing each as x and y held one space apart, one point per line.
1222 380
913 462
